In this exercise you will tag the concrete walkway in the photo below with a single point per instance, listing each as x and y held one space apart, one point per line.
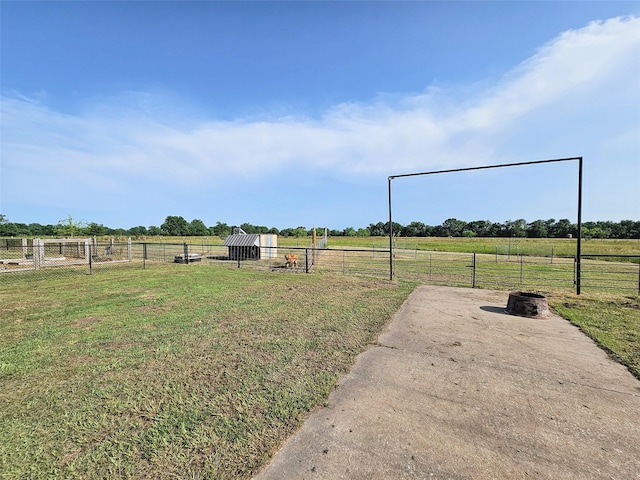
459 389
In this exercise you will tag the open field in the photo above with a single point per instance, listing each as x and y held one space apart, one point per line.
198 371
516 246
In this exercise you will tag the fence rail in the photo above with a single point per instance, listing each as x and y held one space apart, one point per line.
599 272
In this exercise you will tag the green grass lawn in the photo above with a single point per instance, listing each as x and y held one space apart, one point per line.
613 321
196 371
180 372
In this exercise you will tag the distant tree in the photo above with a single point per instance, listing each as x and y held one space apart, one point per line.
38 230
175 226
537 229
515 228
95 229
562 228
155 231
300 232
249 228
70 228
197 228
377 229
349 232
627 229
138 231
12 229
452 227
482 228
220 229
363 232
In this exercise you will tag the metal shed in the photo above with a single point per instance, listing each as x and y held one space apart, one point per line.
251 246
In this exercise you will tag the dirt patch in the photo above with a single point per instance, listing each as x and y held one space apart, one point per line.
84 322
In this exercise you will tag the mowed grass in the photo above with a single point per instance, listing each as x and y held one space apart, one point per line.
181 372
612 320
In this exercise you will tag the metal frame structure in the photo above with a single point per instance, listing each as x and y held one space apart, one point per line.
485 167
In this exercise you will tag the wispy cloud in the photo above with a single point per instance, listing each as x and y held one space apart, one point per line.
577 70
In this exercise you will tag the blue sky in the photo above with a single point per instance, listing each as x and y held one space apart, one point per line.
295 113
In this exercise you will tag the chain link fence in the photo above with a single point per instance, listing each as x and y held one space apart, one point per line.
503 271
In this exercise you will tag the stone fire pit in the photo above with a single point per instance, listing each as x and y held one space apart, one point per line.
525 304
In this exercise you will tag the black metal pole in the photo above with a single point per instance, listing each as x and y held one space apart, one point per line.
579 244
390 235
639 276
473 274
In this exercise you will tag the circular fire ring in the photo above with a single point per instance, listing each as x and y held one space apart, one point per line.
525 304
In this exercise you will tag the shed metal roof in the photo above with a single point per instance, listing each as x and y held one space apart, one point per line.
246 240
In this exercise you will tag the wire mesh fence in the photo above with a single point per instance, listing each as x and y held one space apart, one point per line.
507 271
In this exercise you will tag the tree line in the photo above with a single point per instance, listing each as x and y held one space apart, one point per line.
177 226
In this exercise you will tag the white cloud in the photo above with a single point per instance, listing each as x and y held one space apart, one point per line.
578 68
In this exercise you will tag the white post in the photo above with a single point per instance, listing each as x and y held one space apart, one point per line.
24 248
38 253
87 251
129 248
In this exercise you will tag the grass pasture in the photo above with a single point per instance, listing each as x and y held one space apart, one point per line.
515 246
196 372
199 371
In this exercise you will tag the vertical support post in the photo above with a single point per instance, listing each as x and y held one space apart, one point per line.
87 251
306 260
579 243
638 276
473 273
24 247
144 255
343 260
38 253
390 234
521 268
430 270
186 253
129 256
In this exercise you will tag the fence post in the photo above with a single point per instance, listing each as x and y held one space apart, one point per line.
306 260
89 256
639 275
521 267
144 255
129 256
38 253
473 277
186 253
